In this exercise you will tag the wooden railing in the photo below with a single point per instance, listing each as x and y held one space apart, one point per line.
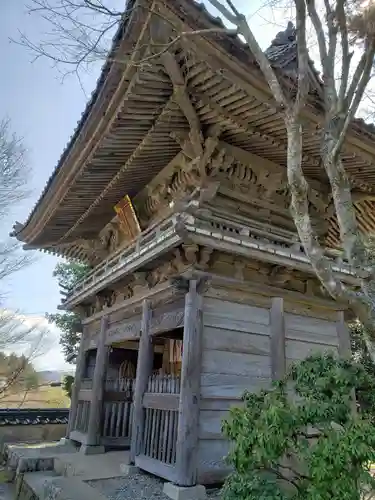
265 240
161 418
117 417
122 259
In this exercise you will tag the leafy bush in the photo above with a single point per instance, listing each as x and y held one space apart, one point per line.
301 439
67 385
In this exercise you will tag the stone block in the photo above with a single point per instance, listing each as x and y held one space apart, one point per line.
175 492
128 470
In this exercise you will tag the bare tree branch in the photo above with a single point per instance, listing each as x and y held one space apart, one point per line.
239 20
79 36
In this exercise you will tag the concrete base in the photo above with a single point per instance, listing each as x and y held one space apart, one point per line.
174 492
66 440
129 470
87 449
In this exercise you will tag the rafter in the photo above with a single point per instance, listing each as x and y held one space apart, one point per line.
138 150
182 98
123 90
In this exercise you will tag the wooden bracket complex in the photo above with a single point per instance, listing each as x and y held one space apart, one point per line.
202 149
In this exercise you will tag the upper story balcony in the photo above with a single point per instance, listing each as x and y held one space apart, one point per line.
209 229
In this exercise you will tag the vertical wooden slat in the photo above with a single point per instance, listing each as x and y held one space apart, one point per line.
80 371
96 407
188 422
277 329
144 370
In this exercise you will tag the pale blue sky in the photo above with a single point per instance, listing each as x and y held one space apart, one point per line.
44 111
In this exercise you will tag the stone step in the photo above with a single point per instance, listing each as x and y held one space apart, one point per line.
27 458
30 486
90 467
47 486
7 491
72 488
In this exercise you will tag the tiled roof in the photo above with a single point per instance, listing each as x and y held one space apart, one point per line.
282 53
39 416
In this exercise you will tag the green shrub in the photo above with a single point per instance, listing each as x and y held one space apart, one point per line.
67 385
301 439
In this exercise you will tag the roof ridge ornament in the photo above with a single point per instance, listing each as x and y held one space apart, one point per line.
286 37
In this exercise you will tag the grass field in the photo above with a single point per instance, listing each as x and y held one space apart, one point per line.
43 397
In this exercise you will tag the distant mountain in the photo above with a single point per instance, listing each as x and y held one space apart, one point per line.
48 376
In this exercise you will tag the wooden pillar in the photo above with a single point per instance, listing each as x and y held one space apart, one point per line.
80 370
188 423
96 404
277 329
144 370
345 349
343 334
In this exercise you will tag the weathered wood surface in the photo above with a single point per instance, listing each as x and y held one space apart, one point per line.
307 335
212 467
187 438
96 405
344 345
278 360
236 363
344 348
116 424
144 370
156 467
79 374
128 329
238 341
85 395
161 401
235 358
310 329
220 385
260 296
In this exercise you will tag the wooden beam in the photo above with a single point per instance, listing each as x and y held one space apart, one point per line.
144 370
99 129
252 82
277 328
80 369
257 163
188 424
85 395
164 115
182 98
156 467
161 401
117 396
96 406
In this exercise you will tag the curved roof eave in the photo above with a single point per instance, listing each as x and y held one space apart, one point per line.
18 227
359 126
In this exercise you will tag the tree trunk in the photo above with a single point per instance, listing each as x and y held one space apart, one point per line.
300 209
341 191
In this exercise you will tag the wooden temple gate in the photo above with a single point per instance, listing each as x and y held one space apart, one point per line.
110 409
111 404
160 403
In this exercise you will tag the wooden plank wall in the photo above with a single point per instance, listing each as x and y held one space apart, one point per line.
237 357
305 336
